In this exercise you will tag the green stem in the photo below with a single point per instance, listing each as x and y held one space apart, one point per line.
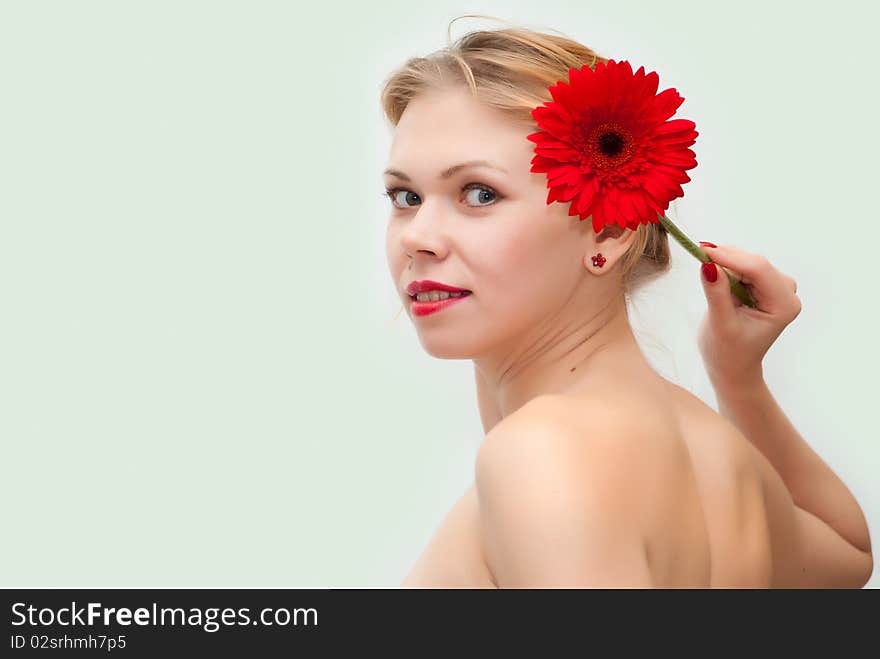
736 286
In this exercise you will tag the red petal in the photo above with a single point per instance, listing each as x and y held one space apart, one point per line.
676 133
629 206
656 192
666 103
551 120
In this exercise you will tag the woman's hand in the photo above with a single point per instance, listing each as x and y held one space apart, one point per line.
733 337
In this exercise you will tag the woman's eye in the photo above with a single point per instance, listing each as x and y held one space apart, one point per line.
399 196
482 191
476 194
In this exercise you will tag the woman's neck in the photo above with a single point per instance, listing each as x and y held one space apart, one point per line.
569 360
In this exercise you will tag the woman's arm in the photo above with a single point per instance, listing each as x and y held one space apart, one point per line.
489 412
820 531
814 487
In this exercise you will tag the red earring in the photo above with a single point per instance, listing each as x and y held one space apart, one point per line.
599 260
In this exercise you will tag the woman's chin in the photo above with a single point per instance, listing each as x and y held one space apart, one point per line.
454 346
446 351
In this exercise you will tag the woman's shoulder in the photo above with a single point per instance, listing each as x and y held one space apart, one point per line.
636 442
559 456
603 418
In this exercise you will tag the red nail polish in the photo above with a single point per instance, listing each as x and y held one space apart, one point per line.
710 271
707 244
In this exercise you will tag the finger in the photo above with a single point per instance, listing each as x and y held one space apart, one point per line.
770 288
734 273
722 308
747 265
751 269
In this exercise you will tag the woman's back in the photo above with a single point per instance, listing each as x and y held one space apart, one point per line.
731 496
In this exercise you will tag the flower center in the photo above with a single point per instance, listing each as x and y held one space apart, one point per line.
610 144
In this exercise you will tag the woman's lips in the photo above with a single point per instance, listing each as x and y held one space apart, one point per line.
433 306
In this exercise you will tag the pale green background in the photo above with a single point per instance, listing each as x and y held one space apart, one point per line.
203 377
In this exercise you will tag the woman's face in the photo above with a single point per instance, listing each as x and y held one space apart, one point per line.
481 229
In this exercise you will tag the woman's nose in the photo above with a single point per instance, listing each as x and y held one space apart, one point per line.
423 232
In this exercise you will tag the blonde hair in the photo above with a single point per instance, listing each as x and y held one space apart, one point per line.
511 69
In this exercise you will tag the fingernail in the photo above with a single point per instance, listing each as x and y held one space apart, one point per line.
707 244
710 271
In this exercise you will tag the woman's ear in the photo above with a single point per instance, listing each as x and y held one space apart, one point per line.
610 244
613 232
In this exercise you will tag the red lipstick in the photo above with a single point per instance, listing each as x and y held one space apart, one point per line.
424 308
425 285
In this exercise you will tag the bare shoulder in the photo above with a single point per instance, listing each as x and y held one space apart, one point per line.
600 420
572 490
629 439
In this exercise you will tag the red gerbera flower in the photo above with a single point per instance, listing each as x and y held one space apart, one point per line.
607 147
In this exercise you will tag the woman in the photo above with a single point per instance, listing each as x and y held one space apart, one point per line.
595 470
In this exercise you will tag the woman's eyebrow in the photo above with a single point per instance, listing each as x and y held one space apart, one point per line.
450 171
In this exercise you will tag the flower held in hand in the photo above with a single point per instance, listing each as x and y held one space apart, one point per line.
609 147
